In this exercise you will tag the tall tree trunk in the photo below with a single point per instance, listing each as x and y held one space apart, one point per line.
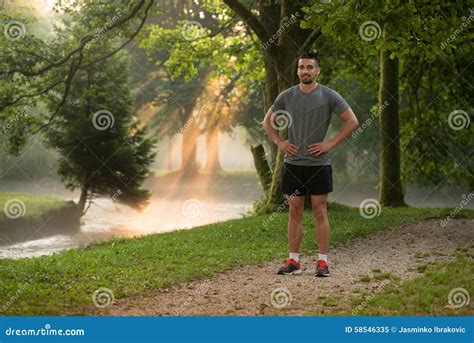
168 158
270 94
391 193
189 165
191 129
263 170
82 200
270 20
264 163
213 164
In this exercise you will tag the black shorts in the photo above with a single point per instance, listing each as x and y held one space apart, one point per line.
299 180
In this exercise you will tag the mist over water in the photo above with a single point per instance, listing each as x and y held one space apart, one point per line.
182 206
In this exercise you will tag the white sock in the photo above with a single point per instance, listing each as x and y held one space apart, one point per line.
295 256
323 257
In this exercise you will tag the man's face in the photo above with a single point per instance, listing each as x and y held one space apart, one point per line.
307 70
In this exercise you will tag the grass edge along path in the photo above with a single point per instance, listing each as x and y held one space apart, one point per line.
64 283
443 290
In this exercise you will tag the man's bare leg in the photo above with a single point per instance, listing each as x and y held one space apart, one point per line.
295 233
295 223
319 206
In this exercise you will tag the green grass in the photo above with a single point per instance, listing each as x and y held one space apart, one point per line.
35 206
64 283
364 278
428 294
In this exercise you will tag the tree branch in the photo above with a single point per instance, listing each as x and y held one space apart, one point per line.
248 17
43 91
86 39
313 37
72 71
77 62
140 26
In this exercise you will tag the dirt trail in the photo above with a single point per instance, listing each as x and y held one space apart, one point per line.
247 291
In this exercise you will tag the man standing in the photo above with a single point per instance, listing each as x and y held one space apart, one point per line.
307 109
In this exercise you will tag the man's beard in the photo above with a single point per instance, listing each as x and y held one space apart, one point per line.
307 80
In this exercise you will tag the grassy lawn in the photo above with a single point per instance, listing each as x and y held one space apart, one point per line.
428 294
64 283
35 206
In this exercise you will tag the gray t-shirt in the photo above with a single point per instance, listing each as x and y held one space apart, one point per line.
310 115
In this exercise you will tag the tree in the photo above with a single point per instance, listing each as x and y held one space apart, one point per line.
34 66
391 193
103 150
403 36
201 52
436 135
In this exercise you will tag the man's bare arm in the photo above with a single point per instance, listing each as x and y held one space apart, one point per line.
285 146
350 124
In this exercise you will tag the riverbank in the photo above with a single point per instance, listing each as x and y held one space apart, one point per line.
27 217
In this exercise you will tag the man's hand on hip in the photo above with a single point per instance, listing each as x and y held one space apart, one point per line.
320 148
288 148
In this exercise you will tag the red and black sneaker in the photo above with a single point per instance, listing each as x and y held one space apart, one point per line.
291 267
322 269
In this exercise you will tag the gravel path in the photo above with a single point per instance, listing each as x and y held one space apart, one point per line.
248 290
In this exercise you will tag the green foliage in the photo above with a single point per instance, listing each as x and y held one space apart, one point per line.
41 89
433 44
220 47
32 69
103 149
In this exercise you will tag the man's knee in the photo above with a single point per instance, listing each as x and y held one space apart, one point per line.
319 209
296 210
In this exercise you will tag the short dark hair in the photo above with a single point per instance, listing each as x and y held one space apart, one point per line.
311 56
